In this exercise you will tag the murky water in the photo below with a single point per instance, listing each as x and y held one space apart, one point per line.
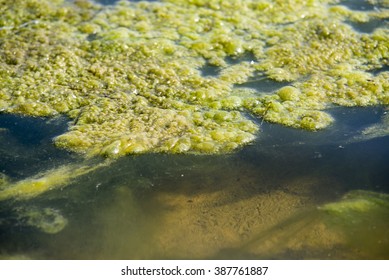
260 202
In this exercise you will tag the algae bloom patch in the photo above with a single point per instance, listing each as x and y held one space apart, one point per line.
130 75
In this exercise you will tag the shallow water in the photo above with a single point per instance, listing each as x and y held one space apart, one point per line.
260 202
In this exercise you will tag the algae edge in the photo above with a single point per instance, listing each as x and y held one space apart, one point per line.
130 75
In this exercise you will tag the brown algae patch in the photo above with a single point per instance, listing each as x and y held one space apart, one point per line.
129 75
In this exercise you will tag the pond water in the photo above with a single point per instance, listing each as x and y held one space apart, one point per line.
260 202
291 194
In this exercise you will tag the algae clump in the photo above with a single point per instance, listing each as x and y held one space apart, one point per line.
47 220
130 77
359 206
46 181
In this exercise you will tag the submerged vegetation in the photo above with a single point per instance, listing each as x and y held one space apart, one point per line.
358 207
49 180
47 220
356 216
130 75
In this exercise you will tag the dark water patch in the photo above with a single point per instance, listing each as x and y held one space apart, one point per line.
106 2
348 123
92 37
17 240
152 173
244 57
358 5
364 165
370 26
385 68
113 2
33 131
210 70
15 245
26 144
263 84
331 151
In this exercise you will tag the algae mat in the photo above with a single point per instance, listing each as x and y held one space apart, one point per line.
191 78
130 75
185 76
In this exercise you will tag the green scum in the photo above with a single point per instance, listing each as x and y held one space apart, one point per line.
129 75
131 78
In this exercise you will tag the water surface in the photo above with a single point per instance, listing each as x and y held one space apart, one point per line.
260 202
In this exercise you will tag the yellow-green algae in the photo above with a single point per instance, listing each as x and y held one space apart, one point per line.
362 217
46 181
129 75
377 130
356 205
47 220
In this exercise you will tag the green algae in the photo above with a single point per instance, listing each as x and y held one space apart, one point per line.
46 181
129 75
47 220
358 206
362 218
